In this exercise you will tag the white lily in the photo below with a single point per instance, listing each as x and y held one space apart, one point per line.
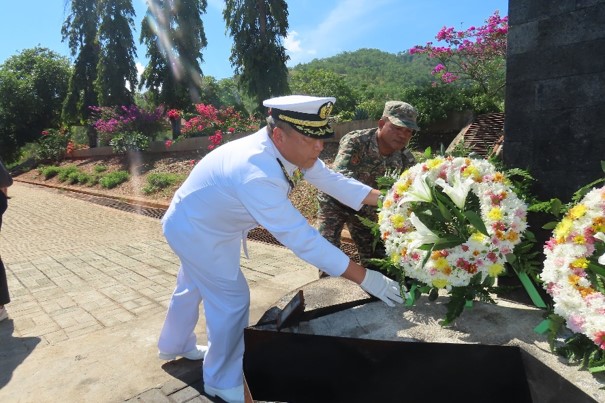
418 192
601 236
423 234
459 191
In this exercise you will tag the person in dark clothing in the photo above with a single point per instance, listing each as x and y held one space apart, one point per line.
5 181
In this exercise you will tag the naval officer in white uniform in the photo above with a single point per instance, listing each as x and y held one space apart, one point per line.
236 187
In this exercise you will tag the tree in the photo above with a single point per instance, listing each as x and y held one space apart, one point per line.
324 83
173 33
116 69
33 85
476 56
257 54
80 30
230 95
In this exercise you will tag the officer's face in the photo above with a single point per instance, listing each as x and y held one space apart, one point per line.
300 150
392 138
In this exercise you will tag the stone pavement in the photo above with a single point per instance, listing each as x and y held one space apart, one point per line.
90 287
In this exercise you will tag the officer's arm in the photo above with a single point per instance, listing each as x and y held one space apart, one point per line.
372 197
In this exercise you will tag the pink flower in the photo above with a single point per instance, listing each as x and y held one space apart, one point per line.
438 68
576 323
599 339
168 143
173 114
231 130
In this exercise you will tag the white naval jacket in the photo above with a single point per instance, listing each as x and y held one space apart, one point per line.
239 186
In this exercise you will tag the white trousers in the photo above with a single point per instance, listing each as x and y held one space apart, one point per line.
226 307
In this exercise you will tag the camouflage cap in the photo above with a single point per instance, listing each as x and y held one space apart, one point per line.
401 114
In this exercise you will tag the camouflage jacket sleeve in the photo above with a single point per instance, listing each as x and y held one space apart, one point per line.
349 150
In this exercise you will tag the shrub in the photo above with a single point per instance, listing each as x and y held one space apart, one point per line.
78 177
49 171
129 141
65 172
159 180
93 179
52 145
113 179
100 168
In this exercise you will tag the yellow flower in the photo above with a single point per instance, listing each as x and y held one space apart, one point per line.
562 229
495 214
478 237
397 220
512 236
573 279
395 258
580 263
439 282
598 224
577 211
434 163
441 264
401 187
495 269
471 172
579 240
380 215
387 203
585 291
499 177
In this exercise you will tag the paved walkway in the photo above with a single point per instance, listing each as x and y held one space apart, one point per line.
89 287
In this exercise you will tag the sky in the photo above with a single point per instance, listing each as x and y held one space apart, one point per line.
317 28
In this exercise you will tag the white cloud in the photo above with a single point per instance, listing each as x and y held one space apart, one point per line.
291 44
140 69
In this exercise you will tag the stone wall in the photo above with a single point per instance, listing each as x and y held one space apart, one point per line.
555 93
435 135
201 143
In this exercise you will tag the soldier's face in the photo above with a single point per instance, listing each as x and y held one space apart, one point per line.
393 138
300 150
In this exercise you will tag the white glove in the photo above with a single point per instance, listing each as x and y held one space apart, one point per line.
380 286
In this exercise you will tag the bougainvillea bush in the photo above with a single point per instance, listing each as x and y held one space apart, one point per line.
209 120
109 121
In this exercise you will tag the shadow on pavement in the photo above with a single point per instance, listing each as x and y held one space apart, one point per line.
13 350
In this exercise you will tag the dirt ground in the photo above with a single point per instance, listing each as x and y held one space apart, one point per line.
141 165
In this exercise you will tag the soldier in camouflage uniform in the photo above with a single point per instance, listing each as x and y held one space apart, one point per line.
366 155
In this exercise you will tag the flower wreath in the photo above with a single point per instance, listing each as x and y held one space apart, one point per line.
445 241
574 267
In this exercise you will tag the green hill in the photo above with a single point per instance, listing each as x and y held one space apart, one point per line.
375 74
